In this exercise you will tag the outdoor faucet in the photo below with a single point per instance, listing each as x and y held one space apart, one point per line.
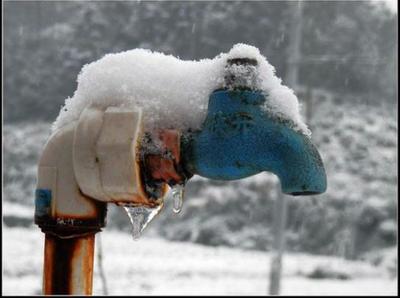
239 139
106 156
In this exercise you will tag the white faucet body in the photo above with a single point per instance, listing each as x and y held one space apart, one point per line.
95 157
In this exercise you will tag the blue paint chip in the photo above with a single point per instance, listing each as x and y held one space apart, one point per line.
42 201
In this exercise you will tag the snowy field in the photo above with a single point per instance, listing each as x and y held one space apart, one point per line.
152 266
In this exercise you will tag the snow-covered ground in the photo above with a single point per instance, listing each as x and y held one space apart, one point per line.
359 148
152 266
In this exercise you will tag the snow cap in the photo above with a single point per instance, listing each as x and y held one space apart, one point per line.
173 93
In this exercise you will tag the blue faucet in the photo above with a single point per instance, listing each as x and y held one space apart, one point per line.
239 138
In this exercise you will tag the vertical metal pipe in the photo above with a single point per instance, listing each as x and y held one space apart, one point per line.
68 265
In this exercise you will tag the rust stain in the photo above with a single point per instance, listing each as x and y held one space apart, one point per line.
141 200
68 265
162 169
82 266
171 141
168 167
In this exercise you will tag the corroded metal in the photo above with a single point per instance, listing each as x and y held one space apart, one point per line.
162 165
68 265
71 225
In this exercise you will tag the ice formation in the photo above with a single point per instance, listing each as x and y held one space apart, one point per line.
172 93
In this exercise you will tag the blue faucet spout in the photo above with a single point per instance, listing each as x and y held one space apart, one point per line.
239 139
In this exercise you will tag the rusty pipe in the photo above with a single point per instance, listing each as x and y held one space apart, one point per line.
68 265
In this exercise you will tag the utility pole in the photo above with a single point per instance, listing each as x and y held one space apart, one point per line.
281 199
280 209
197 12
295 37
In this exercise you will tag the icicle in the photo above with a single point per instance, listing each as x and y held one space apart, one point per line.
140 216
177 196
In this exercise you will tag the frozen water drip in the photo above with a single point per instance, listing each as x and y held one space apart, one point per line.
178 191
140 216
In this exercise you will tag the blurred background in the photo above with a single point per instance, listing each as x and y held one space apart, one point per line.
341 59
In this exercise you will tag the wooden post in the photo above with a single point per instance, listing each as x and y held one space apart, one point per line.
279 243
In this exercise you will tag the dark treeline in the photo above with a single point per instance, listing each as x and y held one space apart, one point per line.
346 47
